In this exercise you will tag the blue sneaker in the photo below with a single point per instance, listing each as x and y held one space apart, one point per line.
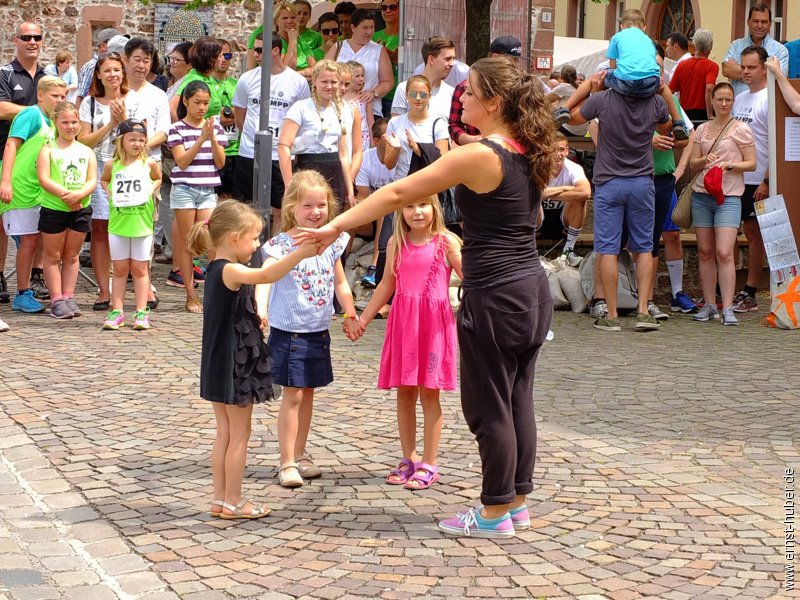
27 302
682 303
472 524
368 280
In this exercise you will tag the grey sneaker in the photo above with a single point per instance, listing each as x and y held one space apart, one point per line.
572 259
656 313
599 310
709 311
73 306
729 317
606 324
646 322
60 310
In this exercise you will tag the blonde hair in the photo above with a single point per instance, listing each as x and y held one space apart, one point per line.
48 82
280 7
229 216
329 66
61 108
302 182
119 151
632 16
437 229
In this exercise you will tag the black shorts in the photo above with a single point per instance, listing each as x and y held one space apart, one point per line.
749 202
245 168
57 221
227 176
553 226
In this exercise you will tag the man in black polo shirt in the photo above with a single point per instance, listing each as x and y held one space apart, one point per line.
18 80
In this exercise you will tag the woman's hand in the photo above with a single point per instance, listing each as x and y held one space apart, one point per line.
412 143
774 65
118 112
392 140
322 237
711 159
366 96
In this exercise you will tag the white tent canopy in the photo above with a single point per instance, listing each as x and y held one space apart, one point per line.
583 54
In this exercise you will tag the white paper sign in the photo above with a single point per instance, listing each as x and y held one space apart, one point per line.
776 232
792 139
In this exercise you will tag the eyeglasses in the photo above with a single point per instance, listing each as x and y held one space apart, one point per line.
27 37
173 60
331 31
389 7
420 95
258 49
227 55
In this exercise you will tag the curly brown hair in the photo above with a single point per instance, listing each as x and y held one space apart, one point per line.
523 110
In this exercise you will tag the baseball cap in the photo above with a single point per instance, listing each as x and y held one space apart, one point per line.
107 34
131 126
506 44
117 43
712 181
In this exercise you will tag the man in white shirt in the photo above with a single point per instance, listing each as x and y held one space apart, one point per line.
458 73
677 50
285 88
759 21
438 54
752 107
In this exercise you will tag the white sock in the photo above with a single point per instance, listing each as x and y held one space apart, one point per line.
572 237
675 270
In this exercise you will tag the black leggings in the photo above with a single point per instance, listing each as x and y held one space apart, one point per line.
500 332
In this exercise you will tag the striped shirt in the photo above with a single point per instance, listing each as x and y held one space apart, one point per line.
202 171
85 76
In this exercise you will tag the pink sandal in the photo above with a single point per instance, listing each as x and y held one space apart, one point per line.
402 473
424 476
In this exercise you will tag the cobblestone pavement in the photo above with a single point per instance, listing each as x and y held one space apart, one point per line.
659 472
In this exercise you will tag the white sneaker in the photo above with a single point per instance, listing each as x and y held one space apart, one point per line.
656 313
4 326
599 310
572 259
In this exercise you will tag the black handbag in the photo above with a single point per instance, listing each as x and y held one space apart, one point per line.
428 153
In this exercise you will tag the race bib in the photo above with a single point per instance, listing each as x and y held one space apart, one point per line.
232 133
551 204
129 191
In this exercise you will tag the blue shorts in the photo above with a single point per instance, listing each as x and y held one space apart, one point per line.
665 204
639 88
668 224
629 201
706 212
192 197
301 360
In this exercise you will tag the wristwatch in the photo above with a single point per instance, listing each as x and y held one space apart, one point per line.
766 181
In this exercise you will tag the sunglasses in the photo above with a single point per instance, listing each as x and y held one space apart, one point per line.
258 50
331 31
227 55
420 95
389 7
27 37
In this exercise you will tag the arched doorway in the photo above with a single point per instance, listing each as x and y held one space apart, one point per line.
667 16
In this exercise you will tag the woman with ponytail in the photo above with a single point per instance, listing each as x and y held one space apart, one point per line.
506 309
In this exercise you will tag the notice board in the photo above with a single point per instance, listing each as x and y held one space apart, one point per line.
784 161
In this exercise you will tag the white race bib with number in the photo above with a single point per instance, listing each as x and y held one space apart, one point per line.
128 190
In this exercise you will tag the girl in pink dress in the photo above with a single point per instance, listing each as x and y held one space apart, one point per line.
419 353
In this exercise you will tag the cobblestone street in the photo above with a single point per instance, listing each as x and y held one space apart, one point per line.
660 472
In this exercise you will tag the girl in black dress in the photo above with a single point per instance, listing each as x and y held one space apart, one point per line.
235 367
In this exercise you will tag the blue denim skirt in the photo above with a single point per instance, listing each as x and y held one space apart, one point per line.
301 360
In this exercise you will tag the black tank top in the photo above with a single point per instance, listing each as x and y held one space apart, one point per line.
499 226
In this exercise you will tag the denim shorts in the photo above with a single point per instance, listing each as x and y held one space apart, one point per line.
192 197
706 212
100 208
624 202
640 88
301 360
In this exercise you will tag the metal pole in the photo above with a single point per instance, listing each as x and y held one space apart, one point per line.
262 174
401 45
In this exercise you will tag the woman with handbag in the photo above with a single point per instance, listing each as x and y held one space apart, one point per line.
723 150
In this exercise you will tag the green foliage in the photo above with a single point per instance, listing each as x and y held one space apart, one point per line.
194 4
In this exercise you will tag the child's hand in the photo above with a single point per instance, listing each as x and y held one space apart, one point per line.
6 192
264 323
352 329
308 248
207 132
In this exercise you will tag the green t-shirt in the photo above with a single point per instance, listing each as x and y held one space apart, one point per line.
251 41
305 45
303 52
390 42
69 169
313 41
35 130
228 89
131 207
664 160
214 85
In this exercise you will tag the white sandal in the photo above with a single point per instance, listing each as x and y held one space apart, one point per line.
289 476
216 514
307 467
256 512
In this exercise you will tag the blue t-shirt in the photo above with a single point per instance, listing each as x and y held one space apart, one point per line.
635 55
27 123
302 301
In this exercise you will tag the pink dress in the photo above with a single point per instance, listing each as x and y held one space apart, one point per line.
420 344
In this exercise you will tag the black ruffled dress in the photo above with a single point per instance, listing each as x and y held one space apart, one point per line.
236 362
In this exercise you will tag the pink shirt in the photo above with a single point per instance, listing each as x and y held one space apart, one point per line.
728 149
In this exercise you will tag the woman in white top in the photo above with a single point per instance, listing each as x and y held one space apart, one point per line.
351 119
416 126
313 131
100 113
378 74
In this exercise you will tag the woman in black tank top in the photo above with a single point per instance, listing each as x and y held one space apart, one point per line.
506 309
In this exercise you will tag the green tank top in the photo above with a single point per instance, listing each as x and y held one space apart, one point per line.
24 180
69 168
131 204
